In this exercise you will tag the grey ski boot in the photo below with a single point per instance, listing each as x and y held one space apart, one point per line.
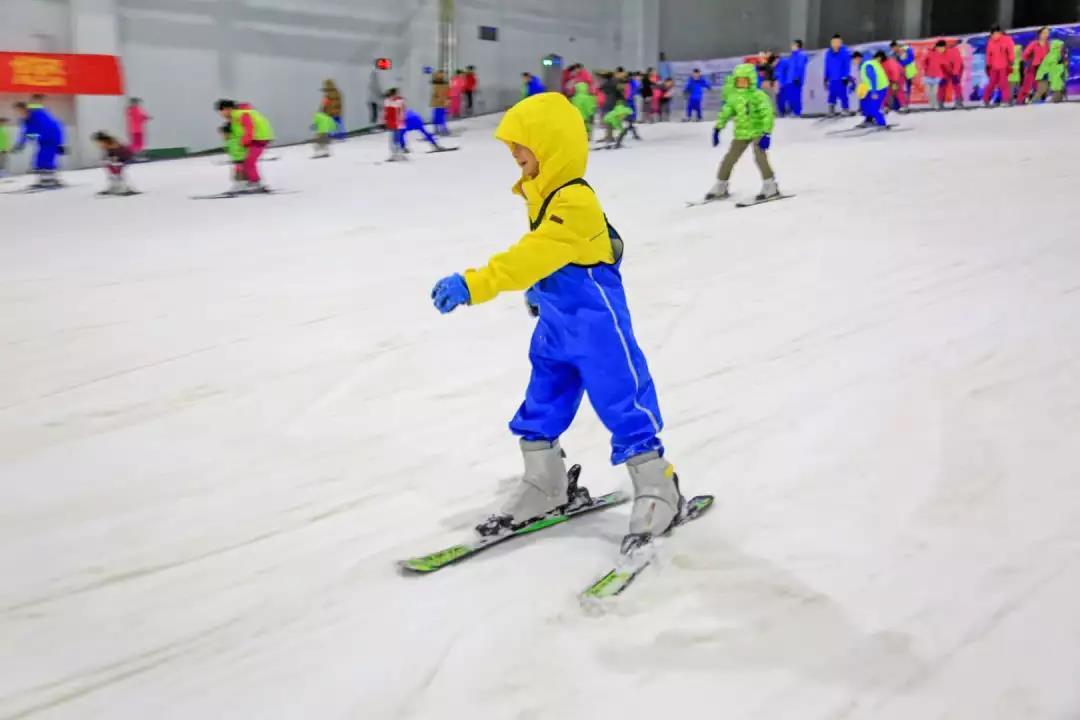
657 499
769 190
544 488
719 191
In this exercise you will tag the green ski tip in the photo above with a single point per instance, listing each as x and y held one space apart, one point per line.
436 561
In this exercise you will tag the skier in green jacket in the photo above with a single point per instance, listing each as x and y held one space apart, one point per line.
1016 77
5 145
752 110
618 120
324 126
585 102
1051 73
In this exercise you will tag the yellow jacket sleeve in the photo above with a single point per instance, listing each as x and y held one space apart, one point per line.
573 231
537 255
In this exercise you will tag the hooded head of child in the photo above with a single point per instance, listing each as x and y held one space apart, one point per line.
745 76
544 135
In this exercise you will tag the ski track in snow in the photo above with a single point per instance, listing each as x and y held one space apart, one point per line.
222 423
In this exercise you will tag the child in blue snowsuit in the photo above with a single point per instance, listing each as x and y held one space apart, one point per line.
583 342
837 74
41 125
414 122
531 85
695 89
795 77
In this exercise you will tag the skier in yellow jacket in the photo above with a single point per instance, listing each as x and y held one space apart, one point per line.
584 342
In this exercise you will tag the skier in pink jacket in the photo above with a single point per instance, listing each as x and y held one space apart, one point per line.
136 125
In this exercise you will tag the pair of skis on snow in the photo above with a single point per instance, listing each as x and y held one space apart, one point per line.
746 204
629 565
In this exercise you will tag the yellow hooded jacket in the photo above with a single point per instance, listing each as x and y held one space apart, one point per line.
573 229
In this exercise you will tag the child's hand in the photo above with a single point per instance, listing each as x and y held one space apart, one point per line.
450 292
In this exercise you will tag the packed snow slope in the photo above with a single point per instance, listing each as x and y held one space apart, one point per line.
222 422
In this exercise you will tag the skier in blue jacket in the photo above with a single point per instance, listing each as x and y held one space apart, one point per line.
41 125
782 74
531 85
838 74
796 78
695 89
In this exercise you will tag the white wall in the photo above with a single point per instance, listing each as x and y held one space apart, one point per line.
182 55
598 33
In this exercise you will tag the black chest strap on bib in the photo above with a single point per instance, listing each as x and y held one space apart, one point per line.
616 239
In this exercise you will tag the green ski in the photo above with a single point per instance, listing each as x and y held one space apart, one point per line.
633 562
456 553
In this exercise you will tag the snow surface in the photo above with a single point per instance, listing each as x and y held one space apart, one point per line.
222 422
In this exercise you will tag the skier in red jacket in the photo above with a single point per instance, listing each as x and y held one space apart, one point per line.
1034 54
954 77
999 62
896 98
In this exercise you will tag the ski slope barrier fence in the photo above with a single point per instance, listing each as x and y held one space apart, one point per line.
973 48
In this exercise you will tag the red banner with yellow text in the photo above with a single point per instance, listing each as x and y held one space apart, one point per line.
54 74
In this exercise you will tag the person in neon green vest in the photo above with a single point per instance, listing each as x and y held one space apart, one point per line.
236 152
254 132
1017 75
5 145
873 85
585 102
1052 71
324 126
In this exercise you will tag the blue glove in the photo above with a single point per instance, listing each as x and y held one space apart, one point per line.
765 141
715 137
450 292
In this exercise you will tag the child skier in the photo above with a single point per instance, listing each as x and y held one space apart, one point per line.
656 101
905 55
838 74
1034 54
873 85
695 89
895 98
1051 73
530 85
236 152
117 155
136 125
394 120
254 133
752 110
440 99
324 127
457 89
1017 75
584 340
666 99
414 122
619 122
40 124
5 145
585 102
332 105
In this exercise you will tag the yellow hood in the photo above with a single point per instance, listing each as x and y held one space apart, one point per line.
550 126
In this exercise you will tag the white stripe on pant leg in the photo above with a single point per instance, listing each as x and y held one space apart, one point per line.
626 349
